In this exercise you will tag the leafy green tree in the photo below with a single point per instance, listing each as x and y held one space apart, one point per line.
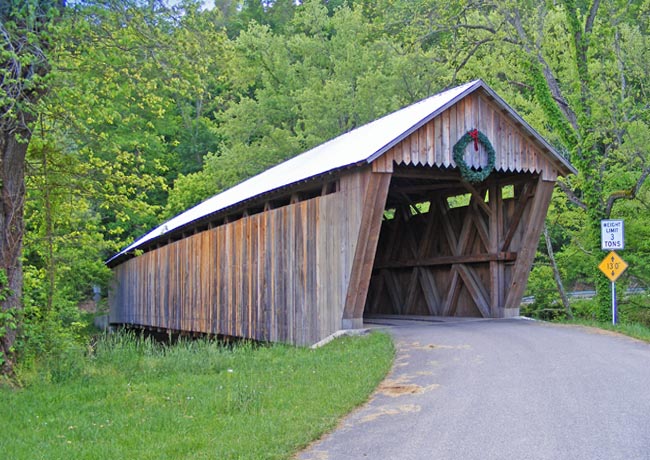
137 90
133 91
64 243
24 65
322 75
276 14
577 71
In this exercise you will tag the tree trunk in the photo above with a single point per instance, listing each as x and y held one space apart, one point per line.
25 42
12 199
556 275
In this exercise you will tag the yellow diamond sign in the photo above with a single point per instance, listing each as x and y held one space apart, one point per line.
612 266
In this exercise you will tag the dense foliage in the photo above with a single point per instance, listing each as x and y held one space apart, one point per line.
152 106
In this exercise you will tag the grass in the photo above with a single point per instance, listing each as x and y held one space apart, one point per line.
633 315
633 311
635 330
135 399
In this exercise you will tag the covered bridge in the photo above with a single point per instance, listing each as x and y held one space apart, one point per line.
380 220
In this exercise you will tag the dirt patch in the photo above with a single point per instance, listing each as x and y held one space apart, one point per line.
402 386
433 346
400 389
390 411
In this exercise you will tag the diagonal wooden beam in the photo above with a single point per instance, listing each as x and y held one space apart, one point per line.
373 209
409 239
478 197
451 299
392 234
527 192
430 232
394 291
466 232
476 289
482 228
411 291
431 294
521 270
448 231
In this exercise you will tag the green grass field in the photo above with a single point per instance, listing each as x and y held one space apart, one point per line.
135 399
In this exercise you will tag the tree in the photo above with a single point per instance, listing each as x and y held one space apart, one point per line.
124 92
24 65
321 75
137 92
577 70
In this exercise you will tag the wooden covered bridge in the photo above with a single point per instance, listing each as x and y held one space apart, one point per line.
380 220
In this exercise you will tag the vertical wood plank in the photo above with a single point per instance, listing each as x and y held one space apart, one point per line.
297 267
486 127
213 303
441 158
430 144
502 157
445 141
422 145
468 114
406 152
453 127
226 276
274 281
494 229
251 275
415 148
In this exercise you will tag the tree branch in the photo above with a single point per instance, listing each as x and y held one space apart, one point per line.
589 25
551 81
573 198
556 273
626 194
530 88
469 55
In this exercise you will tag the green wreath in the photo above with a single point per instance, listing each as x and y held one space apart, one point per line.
469 174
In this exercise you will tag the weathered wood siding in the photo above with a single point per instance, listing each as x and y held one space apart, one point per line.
280 275
432 144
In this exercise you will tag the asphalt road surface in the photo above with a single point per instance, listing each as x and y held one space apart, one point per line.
502 389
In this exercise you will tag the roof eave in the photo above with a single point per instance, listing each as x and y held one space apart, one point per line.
564 166
124 255
424 121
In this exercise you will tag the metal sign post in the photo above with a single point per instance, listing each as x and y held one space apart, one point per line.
614 305
613 267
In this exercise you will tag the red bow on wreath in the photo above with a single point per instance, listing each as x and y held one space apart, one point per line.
474 135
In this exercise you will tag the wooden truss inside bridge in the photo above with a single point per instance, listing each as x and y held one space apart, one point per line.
450 248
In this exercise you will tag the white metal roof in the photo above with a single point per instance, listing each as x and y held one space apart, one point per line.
363 144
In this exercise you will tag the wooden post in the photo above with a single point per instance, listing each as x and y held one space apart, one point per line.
521 270
373 210
496 268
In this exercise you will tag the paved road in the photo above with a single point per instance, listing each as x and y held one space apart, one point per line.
502 389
